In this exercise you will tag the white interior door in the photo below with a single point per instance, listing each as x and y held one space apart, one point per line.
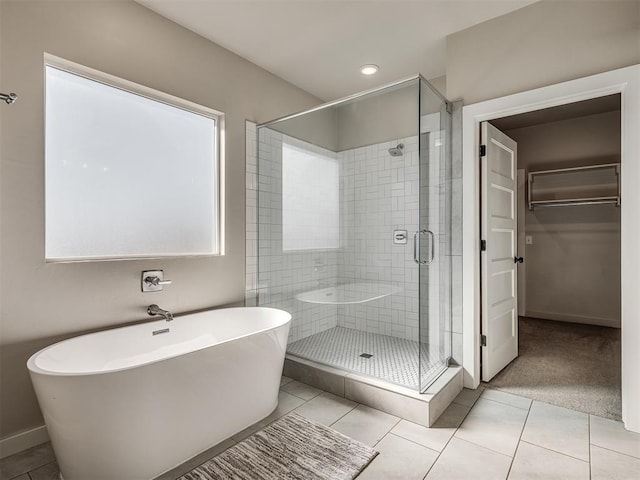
521 277
498 266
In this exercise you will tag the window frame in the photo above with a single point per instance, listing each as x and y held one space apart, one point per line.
167 99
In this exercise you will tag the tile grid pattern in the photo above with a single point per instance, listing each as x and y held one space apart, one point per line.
380 194
284 274
251 215
394 359
361 200
484 434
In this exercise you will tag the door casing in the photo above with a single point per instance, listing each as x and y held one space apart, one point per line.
625 81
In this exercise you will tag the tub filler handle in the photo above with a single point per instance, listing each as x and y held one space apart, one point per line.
153 281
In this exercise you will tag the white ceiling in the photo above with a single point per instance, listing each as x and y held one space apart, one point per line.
320 45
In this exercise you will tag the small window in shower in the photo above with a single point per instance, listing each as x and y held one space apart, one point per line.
310 199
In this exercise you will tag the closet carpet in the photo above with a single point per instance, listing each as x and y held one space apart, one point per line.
567 364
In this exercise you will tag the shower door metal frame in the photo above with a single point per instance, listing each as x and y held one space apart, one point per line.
424 230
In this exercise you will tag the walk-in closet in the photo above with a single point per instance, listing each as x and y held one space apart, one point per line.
568 257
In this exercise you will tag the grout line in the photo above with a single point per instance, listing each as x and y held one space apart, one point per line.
612 451
524 425
409 440
352 409
512 460
389 431
302 398
504 403
472 404
320 392
484 448
464 440
289 380
453 435
487 448
555 451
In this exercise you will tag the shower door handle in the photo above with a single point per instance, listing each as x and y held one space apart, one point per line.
433 247
416 247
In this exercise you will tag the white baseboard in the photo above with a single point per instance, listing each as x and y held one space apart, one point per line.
563 317
23 440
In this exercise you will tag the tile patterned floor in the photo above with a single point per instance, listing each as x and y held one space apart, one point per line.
484 434
394 359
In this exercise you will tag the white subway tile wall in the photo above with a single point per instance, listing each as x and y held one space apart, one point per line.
380 194
283 275
251 214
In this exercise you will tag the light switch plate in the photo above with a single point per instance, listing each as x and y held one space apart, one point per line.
528 239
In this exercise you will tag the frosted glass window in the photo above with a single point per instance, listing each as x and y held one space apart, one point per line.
310 200
126 175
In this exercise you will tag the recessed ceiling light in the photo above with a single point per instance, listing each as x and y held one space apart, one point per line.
369 69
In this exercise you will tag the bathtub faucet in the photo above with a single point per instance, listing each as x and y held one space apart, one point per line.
156 310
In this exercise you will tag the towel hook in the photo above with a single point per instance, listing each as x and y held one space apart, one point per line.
8 98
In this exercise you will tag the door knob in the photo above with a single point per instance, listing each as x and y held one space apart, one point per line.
518 259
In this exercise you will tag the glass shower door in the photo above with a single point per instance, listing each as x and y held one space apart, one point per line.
341 190
432 241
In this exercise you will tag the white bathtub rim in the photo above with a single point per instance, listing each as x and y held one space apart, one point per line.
33 368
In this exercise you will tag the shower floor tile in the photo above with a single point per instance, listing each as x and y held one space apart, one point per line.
392 359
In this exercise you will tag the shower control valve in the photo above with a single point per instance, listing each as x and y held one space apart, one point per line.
400 237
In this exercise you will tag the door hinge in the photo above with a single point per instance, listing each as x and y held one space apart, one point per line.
483 245
483 150
483 340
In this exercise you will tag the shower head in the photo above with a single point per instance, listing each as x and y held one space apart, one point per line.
397 150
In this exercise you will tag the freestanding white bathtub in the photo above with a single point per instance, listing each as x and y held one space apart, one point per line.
128 404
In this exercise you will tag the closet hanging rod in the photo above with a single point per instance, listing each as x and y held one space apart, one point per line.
576 202
8 98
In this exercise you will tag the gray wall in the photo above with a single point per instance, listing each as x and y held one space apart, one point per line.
391 114
374 119
42 303
319 128
542 44
370 120
573 266
440 84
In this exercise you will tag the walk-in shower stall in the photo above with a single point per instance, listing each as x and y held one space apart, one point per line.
354 231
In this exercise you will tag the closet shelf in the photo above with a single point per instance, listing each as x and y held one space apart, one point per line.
563 187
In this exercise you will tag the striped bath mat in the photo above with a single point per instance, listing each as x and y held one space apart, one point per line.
293 448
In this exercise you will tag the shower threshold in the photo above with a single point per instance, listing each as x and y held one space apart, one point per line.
421 408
